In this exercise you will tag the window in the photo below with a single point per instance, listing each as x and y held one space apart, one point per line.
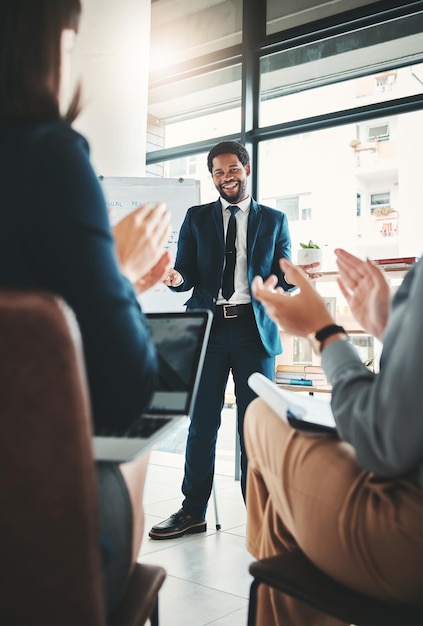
182 31
297 208
302 351
308 103
290 206
379 201
319 77
293 13
185 168
379 133
188 167
195 74
197 107
365 345
385 82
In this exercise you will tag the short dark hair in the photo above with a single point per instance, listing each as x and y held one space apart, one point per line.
228 147
30 37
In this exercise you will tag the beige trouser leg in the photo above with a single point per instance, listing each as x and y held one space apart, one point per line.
309 492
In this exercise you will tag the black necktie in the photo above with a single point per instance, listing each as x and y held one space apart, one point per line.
230 255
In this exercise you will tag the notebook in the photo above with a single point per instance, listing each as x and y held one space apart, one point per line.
303 412
180 339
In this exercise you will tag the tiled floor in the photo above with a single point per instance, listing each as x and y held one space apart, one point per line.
207 574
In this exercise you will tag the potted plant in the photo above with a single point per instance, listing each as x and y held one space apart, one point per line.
308 253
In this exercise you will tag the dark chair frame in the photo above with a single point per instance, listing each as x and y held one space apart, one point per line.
294 574
145 582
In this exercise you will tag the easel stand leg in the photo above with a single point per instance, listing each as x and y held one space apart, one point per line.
216 512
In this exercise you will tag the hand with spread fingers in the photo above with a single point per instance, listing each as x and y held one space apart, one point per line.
140 240
155 275
366 289
299 314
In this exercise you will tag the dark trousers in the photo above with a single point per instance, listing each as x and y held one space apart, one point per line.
234 344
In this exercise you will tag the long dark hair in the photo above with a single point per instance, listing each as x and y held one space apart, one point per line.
30 36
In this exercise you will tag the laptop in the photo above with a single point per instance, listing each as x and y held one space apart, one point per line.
303 412
180 339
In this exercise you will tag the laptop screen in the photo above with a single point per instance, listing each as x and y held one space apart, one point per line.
179 343
180 340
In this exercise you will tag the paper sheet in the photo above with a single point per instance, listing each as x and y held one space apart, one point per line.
294 408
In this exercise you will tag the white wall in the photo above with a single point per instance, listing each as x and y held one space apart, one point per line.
112 57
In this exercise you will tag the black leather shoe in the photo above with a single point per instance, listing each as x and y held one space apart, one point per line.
178 525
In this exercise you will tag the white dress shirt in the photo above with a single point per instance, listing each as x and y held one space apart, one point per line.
241 294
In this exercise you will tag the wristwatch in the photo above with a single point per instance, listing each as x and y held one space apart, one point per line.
319 337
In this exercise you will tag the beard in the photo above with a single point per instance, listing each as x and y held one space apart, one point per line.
237 194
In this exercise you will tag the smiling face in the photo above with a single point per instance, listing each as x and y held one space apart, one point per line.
230 177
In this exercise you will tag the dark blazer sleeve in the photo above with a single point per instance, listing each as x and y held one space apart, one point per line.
200 254
68 245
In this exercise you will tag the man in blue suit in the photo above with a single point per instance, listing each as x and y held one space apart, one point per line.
243 338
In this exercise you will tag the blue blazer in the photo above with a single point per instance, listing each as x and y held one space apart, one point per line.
201 252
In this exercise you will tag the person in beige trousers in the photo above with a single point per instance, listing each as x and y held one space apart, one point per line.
354 503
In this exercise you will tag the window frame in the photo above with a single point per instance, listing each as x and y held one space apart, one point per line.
256 45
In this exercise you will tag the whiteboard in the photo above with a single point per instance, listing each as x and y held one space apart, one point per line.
123 195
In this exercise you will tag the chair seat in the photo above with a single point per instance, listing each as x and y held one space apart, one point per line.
294 574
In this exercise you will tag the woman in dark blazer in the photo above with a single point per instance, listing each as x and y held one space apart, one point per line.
56 237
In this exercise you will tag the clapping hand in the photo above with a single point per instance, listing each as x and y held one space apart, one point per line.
155 275
366 289
140 238
298 314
